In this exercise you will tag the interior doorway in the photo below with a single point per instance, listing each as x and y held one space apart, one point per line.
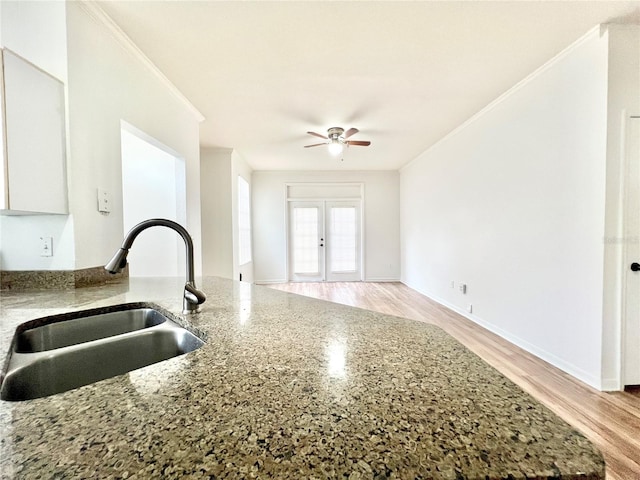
325 241
153 186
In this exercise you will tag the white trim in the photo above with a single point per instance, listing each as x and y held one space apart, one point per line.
539 71
624 254
363 234
382 280
550 358
323 199
96 13
321 184
269 282
611 385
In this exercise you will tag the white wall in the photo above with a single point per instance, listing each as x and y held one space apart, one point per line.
512 204
109 82
219 171
153 187
106 82
380 221
36 31
217 224
20 244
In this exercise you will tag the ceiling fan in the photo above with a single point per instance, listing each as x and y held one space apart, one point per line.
337 141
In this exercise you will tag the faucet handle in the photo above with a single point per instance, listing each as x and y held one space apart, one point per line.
193 295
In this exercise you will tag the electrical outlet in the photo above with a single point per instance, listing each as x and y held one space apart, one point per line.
46 246
463 288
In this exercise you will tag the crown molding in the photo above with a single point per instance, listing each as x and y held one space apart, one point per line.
93 10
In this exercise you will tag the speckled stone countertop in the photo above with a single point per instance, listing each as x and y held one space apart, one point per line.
285 387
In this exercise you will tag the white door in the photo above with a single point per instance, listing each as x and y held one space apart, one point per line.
631 324
306 241
324 241
343 241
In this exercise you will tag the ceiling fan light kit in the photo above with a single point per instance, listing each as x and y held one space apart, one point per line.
337 139
335 147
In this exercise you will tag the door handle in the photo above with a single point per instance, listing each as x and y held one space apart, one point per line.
635 266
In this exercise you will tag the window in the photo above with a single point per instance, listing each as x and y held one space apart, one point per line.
343 239
305 240
244 222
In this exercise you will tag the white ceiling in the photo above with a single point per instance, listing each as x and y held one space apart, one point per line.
404 73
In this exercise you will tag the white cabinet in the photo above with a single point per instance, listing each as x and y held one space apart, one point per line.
33 177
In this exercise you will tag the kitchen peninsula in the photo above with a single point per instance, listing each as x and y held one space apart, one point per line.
284 387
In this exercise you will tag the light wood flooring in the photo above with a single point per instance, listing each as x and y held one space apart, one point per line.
610 420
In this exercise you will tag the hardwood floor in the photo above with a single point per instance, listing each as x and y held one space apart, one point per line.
610 420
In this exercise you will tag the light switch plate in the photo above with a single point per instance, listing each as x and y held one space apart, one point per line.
104 200
46 246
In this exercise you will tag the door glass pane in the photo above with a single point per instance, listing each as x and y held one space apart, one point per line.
343 239
305 240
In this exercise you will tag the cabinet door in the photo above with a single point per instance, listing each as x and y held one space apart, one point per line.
35 138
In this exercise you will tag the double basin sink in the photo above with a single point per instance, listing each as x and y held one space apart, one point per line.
60 353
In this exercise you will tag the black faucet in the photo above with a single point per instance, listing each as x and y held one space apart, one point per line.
193 297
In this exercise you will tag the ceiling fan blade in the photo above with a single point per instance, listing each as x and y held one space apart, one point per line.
314 145
351 131
362 143
318 135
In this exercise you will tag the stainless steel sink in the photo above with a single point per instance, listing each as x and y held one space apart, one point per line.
86 329
61 356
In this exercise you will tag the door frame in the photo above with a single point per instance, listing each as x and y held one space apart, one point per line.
630 302
339 191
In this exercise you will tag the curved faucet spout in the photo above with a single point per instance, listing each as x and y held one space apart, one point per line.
193 297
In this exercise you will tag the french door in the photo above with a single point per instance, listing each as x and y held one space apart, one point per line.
324 241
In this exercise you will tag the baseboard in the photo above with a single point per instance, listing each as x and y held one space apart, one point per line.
372 280
519 342
269 282
611 385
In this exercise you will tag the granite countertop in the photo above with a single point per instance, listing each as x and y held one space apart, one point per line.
285 387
